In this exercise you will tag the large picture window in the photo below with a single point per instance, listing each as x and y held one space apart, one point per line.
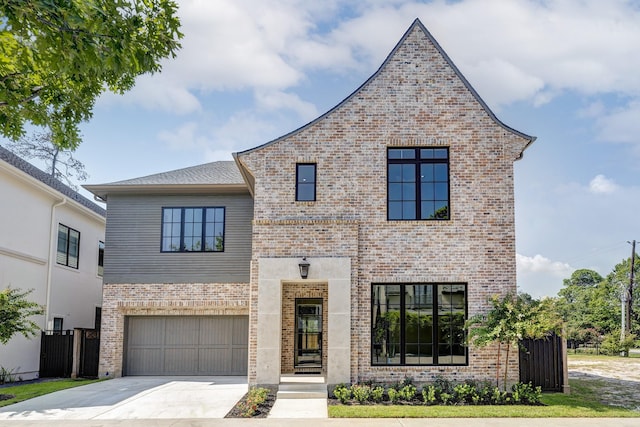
68 246
193 229
418 183
418 324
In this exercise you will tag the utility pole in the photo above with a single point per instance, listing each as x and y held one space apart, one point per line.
630 294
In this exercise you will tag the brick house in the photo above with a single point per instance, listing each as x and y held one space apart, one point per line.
399 201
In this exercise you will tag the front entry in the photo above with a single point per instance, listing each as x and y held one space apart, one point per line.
308 339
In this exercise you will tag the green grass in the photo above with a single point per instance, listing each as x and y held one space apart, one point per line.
582 402
29 391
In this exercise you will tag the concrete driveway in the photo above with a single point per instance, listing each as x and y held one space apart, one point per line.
135 398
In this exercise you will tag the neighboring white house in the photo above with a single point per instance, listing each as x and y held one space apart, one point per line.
51 241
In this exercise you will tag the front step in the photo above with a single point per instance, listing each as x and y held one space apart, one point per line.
295 388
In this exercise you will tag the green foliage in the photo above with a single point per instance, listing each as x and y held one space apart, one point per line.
510 319
429 395
362 393
57 57
612 345
342 393
377 394
394 395
526 394
6 375
255 397
408 392
15 313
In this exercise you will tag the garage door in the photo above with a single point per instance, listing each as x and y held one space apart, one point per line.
187 345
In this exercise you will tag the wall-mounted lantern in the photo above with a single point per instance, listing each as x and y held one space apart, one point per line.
304 267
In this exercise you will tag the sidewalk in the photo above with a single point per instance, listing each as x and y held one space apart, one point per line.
339 422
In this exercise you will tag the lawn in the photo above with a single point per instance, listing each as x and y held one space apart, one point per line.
31 390
582 402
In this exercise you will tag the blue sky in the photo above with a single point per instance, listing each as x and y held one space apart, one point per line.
566 71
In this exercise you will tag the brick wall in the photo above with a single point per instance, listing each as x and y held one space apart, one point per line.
415 100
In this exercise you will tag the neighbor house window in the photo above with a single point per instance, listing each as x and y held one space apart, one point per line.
57 325
418 324
100 259
306 182
418 183
193 229
68 246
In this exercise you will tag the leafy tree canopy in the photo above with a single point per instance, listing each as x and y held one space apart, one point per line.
15 313
58 56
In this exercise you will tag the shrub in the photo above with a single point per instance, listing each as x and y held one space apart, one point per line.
255 397
429 395
466 393
342 393
362 393
377 394
408 392
394 395
526 393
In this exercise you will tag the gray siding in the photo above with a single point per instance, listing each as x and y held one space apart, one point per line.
132 246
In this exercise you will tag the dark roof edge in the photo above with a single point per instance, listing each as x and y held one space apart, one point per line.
475 94
19 163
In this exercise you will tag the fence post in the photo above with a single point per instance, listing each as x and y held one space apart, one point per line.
566 388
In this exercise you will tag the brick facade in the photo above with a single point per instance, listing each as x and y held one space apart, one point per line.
416 99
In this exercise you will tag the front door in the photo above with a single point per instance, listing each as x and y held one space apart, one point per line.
308 342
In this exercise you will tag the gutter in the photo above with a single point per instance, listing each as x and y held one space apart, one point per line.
52 236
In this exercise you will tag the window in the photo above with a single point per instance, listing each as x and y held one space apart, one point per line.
193 229
418 183
306 182
68 246
100 259
418 324
57 325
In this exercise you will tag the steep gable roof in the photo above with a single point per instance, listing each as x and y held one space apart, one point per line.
26 167
417 24
220 175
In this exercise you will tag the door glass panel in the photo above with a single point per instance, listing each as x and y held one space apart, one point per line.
308 345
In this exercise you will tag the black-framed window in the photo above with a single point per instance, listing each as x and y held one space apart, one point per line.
68 246
100 258
193 229
418 183
57 325
418 324
306 182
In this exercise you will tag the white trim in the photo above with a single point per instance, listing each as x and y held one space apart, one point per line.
22 256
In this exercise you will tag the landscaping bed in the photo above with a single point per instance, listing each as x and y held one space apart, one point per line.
256 403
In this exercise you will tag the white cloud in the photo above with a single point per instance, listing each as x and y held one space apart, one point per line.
621 125
600 184
277 100
541 264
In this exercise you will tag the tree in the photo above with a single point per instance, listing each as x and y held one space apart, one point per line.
510 320
57 57
15 313
60 162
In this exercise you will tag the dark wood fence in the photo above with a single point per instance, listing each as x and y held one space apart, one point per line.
56 354
542 363
89 353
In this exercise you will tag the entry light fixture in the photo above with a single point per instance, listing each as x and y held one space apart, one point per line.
304 267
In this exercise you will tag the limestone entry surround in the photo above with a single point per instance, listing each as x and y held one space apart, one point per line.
273 274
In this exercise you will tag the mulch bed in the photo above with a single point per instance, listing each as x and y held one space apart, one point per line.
261 412
6 396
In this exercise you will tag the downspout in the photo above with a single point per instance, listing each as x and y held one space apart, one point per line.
52 236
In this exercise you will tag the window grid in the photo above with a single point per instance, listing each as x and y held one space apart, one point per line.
199 229
418 324
413 198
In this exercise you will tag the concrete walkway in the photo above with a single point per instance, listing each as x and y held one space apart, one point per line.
338 422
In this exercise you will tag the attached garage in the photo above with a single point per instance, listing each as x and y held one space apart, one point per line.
186 345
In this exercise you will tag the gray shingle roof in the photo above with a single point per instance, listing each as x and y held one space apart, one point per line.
215 173
26 167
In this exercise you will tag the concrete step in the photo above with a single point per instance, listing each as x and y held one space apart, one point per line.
302 391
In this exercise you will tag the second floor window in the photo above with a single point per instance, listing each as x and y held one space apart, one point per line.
306 182
193 229
418 184
68 246
100 259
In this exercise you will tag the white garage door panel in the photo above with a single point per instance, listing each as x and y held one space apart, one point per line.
187 345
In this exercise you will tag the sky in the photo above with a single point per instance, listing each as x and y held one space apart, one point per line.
565 71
